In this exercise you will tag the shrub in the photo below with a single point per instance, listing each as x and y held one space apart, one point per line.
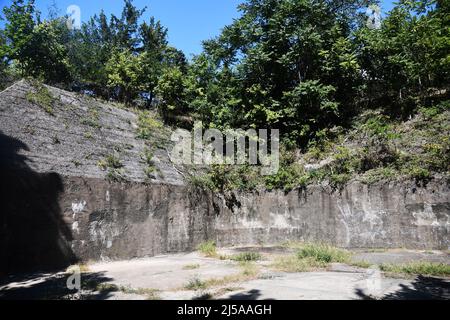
148 125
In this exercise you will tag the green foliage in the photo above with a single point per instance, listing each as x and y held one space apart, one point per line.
311 257
171 90
92 118
299 66
408 56
110 161
130 75
147 158
152 130
420 267
287 178
323 253
208 249
35 47
246 256
196 284
294 264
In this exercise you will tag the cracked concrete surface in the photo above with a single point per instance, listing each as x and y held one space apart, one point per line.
166 277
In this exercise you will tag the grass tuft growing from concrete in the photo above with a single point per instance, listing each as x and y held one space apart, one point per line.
41 97
246 256
249 271
361 264
310 257
294 264
191 266
418 268
208 249
324 253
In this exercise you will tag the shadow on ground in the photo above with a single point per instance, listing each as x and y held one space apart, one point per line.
45 287
422 288
246 296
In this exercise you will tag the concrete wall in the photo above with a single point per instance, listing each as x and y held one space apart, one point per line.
120 221
384 215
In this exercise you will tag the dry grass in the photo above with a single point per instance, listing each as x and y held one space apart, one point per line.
249 271
361 264
149 293
191 266
84 268
293 264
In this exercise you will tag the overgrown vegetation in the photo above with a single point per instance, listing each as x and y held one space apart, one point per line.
323 253
208 249
310 257
351 101
114 167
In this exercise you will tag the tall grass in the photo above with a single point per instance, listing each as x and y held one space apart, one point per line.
311 257
323 253
208 249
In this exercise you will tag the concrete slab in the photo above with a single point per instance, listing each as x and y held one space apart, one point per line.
169 274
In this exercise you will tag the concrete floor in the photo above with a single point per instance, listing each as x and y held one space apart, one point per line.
168 275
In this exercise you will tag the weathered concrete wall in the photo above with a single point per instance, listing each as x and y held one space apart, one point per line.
121 221
384 215
129 220
56 205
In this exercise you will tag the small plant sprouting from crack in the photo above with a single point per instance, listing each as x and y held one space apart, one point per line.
147 158
191 266
41 97
114 167
110 161
92 119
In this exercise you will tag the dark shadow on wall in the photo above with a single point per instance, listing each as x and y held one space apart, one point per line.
422 288
33 234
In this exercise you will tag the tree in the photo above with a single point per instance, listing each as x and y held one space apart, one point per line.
295 61
126 28
407 58
21 19
171 90
34 46
89 50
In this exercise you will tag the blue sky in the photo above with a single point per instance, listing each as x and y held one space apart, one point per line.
189 21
